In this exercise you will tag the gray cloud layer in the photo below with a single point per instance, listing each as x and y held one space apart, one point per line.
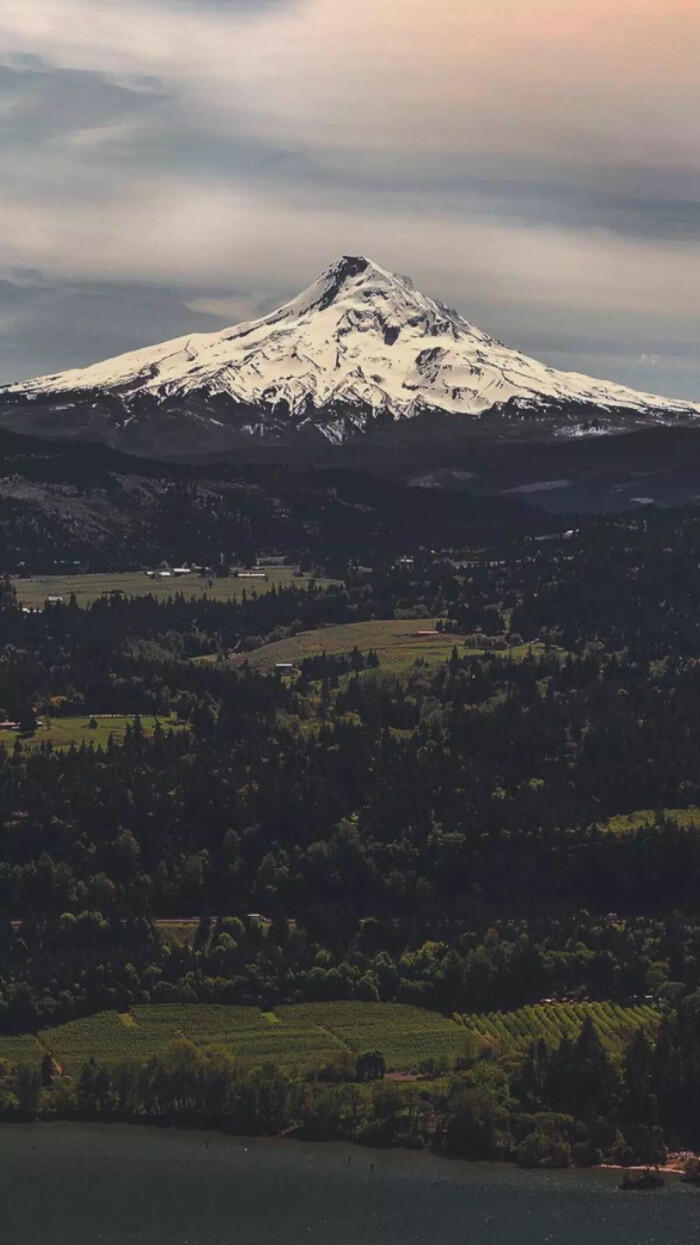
171 165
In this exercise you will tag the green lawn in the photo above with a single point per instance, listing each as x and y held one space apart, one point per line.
87 588
307 1035
62 732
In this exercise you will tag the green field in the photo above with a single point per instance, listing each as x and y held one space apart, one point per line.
305 1036
87 588
512 1032
62 732
20 1048
246 1032
395 640
405 1035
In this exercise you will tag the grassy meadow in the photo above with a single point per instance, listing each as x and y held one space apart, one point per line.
88 588
62 732
395 640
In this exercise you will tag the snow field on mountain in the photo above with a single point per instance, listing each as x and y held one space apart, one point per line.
358 342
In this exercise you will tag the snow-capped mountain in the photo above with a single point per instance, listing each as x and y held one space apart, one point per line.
359 350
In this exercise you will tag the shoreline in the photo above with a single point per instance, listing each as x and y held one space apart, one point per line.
674 1164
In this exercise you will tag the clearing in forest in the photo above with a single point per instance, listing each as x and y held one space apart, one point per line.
34 591
398 643
62 732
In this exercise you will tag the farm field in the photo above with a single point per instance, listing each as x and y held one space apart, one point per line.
395 640
246 1032
305 1036
406 1036
513 1032
62 732
20 1048
87 588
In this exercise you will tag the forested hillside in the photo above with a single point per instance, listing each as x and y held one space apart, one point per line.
67 505
511 817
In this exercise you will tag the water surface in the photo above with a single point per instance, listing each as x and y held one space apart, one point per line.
79 1184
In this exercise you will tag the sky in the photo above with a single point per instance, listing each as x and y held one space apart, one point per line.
181 165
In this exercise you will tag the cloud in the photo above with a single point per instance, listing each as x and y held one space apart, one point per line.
96 135
171 229
537 164
48 326
582 83
234 310
590 83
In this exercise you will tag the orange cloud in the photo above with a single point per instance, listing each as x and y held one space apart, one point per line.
616 81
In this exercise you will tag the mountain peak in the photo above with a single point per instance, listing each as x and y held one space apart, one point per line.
360 346
347 273
346 266
360 269
358 285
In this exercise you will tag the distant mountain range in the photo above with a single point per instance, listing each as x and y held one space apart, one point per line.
359 355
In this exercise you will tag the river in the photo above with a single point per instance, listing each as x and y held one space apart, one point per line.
74 1184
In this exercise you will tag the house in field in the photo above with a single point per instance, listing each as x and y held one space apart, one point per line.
54 600
428 633
250 574
182 570
285 667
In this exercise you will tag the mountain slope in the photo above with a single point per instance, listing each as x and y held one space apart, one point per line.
360 350
65 504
